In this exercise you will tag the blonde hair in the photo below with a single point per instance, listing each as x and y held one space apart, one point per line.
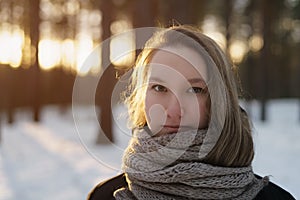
235 144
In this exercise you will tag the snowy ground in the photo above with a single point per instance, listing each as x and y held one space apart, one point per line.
50 160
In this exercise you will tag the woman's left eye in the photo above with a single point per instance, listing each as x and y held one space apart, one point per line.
195 90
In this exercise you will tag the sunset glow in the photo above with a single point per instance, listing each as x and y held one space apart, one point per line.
84 47
52 52
12 41
68 52
238 50
49 53
211 28
73 54
256 43
122 50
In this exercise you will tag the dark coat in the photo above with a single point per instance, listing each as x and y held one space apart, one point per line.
105 190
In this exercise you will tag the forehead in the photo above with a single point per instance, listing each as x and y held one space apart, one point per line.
178 60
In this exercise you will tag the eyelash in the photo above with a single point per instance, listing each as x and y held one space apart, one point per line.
161 88
200 90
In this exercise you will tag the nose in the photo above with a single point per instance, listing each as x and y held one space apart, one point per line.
173 108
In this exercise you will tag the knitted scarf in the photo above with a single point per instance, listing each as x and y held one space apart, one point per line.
168 167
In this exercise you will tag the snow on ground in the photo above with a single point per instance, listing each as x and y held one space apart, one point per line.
54 160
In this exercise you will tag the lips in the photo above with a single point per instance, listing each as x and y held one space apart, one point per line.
175 128
172 127
169 129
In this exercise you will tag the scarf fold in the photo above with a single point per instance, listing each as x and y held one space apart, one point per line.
170 167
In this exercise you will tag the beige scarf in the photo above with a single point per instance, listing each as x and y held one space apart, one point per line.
168 167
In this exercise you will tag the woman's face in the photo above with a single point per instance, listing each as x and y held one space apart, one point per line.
176 96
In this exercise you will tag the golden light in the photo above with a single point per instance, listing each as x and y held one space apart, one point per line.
210 28
95 61
84 48
5 42
256 43
218 37
238 50
119 26
68 52
27 56
122 49
12 42
49 53
71 7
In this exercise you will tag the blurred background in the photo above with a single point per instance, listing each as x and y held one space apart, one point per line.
43 44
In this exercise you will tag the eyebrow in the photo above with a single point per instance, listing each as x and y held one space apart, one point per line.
155 79
192 80
196 80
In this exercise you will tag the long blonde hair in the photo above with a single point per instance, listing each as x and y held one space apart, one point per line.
234 146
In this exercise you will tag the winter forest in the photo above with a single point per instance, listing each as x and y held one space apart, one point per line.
62 126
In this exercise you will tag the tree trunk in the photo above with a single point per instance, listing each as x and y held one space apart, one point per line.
183 12
108 80
228 14
267 11
143 14
34 36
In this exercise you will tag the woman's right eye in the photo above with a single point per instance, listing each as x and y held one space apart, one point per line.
159 88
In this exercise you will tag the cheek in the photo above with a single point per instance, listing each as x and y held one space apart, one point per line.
204 113
155 111
196 114
148 104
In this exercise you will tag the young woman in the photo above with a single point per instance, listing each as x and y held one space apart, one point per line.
191 139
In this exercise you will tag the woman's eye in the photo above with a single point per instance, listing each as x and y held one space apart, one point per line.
195 90
159 88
